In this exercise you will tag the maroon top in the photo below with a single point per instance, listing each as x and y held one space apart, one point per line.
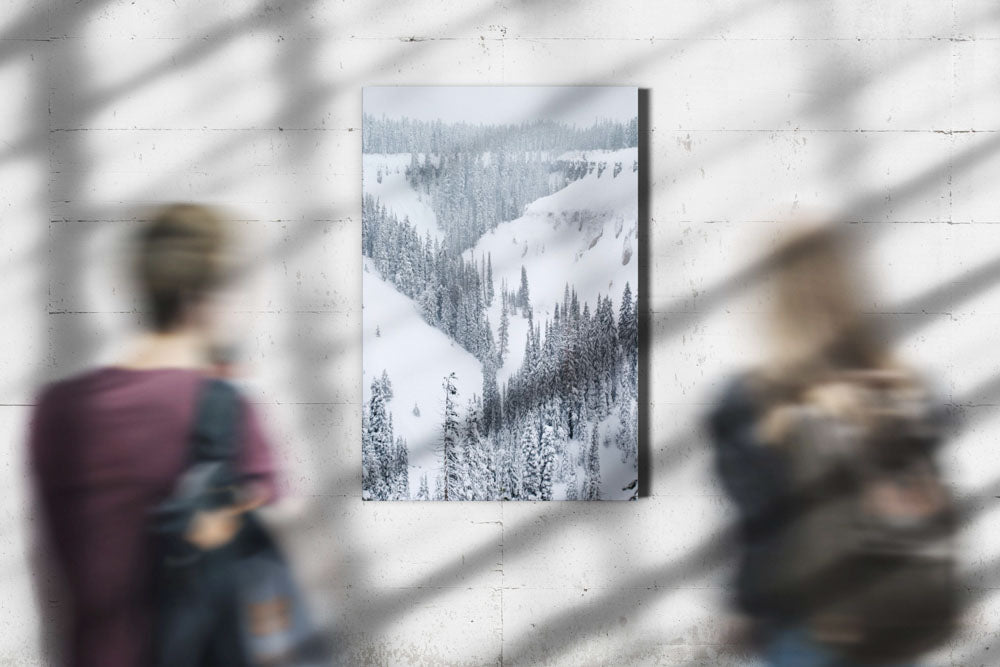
106 447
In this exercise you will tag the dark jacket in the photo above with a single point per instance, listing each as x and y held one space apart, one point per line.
757 479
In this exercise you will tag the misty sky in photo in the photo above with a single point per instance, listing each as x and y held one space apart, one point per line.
579 105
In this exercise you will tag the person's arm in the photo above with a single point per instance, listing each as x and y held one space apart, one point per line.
210 529
256 460
51 595
752 472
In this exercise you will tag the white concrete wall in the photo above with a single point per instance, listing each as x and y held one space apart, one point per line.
889 111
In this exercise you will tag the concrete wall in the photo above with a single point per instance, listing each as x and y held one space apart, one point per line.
886 112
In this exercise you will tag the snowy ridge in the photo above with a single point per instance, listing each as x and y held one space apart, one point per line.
416 357
593 219
384 177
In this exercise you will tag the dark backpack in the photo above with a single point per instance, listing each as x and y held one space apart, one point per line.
866 557
232 606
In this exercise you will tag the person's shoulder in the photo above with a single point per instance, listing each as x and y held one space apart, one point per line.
233 394
743 387
53 404
736 400
56 391
230 389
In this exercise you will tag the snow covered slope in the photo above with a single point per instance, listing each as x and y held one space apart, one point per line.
394 191
583 234
417 357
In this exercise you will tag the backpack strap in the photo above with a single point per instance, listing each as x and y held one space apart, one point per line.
214 445
215 436
210 479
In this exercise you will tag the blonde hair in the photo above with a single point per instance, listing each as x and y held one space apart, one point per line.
180 259
816 317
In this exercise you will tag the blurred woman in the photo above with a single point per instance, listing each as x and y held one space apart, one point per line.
831 430
108 445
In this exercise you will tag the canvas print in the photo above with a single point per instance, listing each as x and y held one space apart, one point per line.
500 323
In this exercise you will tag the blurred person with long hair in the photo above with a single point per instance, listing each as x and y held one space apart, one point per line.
827 447
110 444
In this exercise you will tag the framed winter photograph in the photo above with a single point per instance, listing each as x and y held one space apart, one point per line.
500 323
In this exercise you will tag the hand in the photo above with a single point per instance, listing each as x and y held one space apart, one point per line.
776 425
210 529
840 400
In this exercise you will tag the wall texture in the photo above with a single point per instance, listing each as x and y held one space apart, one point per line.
885 113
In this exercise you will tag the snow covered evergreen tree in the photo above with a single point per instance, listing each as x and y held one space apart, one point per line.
627 432
379 449
489 280
572 488
401 472
503 334
592 482
452 460
480 479
531 482
523 293
392 135
424 492
628 339
547 455
606 352
491 398
386 386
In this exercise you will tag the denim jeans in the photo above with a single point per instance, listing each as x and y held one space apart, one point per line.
793 647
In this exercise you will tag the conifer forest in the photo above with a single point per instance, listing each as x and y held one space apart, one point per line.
500 323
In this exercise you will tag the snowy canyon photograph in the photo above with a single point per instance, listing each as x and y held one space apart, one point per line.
500 293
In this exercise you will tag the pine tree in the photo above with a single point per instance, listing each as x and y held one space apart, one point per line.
531 482
626 437
413 171
450 443
632 133
627 335
491 398
547 456
401 485
386 386
429 305
377 446
504 334
510 465
592 482
423 493
367 456
572 491
488 350
523 294
489 280
605 359
389 462
479 484
628 339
